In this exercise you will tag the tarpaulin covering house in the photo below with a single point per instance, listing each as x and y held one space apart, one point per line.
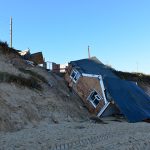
92 66
131 100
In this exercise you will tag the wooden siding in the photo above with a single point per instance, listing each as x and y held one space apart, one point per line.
37 58
83 87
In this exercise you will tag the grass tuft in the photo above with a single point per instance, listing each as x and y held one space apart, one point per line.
33 74
4 44
30 83
137 77
5 49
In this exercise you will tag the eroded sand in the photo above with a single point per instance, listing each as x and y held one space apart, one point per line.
79 136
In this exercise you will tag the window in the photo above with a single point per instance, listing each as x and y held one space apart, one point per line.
108 96
94 98
75 75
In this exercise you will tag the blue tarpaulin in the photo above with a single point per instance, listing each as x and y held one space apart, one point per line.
133 102
90 66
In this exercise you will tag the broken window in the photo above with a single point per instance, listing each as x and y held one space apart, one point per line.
94 98
75 75
108 96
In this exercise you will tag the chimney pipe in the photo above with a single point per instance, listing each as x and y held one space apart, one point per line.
11 32
89 52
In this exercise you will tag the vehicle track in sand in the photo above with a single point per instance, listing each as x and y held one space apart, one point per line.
95 142
79 136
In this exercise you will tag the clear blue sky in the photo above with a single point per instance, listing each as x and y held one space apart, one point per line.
118 31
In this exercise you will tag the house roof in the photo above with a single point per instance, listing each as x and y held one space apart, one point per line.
92 66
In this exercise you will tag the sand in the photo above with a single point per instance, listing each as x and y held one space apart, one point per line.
79 135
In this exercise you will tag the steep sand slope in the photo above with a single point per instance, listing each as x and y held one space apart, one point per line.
20 105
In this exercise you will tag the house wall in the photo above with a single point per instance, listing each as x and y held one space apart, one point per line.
57 68
63 67
37 58
83 87
67 75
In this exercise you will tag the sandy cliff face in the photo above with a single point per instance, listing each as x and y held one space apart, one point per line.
21 105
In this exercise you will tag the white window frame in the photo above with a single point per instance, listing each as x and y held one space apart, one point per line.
76 77
103 88
97 97
101 83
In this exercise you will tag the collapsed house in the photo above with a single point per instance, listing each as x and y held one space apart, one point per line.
36 58
104 93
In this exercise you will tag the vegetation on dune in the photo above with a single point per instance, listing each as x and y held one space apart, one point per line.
28 82
32 82
4 48
4 44
137 77
33 74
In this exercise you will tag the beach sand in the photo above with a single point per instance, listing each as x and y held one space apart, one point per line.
109 134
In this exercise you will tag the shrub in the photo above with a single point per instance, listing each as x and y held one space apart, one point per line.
6 49
137 77
30 83
33 74
4 44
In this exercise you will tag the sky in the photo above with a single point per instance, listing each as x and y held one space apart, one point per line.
117 31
